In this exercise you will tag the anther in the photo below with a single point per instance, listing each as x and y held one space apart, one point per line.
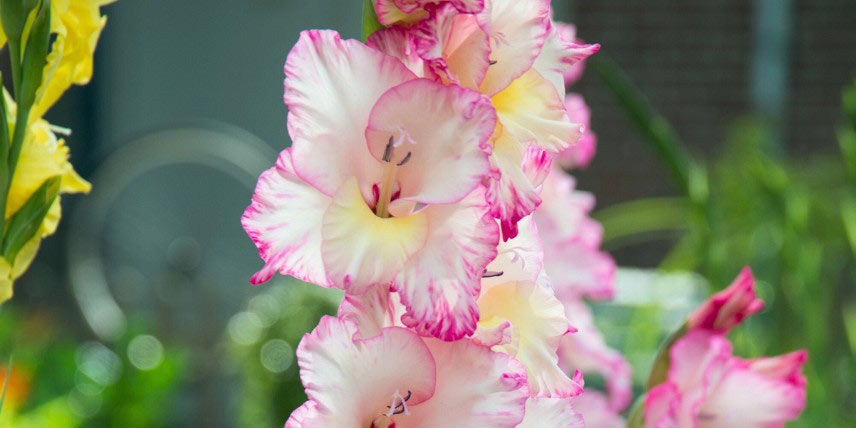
405 160
387 152
492 62
491 274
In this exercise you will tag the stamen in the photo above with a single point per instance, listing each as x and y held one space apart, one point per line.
492 63
60 130
491 274
406 159
401 407
387 152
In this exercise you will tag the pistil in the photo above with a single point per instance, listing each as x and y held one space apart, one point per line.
387 182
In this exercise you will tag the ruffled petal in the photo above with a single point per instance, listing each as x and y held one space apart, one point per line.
305 416
532 112
284 221
586 350
596 411
360 249
538 323
454 46
330 86
439 136
513 194
353 380
476 387
517 31
568 34
750 399
547 412
440 284
398 42
372 311
559 56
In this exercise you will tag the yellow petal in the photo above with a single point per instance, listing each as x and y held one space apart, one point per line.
533 113
78 25
361 249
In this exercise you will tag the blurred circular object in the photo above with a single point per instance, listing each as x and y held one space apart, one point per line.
85 400
245 328
98 363
277 355
145 352
159 237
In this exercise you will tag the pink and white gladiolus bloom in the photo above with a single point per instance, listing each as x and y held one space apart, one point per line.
512 53
382 185
709 387
729 307
399 379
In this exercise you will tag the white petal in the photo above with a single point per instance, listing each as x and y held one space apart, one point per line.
533 112
440 283
517 31
284 221
547 412
476 387
353 380
440 134
330 87
538 323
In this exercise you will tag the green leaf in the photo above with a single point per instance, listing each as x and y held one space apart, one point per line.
637 413
25 223
14 15
656 130
660 369
35 56
35 59
622 223
370 21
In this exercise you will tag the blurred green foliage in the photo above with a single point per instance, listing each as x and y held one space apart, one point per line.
791 218
59 381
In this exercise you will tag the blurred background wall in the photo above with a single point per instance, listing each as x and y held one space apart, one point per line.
185 110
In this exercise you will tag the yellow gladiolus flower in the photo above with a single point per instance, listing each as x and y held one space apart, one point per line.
77 25
43 156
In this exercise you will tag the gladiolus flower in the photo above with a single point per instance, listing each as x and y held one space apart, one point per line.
397 378
511 53
381 186
729 307
43 155
709 387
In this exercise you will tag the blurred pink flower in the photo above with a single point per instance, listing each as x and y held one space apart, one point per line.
578 155
729 307
707 386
